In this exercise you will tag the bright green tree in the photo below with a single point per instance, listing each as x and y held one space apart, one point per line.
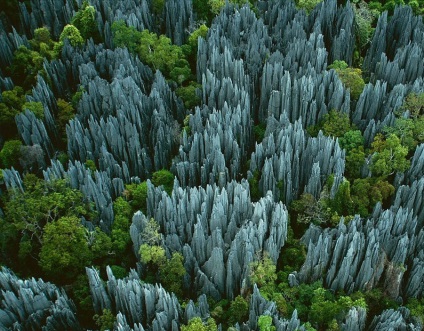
263 274
71 33
158 52
193 39
350 77
196 324
120 235
389 156
85 21
36 107
64 251
265 323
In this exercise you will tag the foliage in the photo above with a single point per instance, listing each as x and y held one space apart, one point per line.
259 132
164 177
85 21
26 65
307 5
309 210
137 195
193 39
42 43
265 323
27 213
366 192
11 105
389 156
255 193
70 33
181 72
158 6
325 309
365 19
350 77
196 324
10 153
171 274
409 126
239 310
263 274
105 321
121 239
158 52
35 107
124 36
118 271
216 5
64 251
152 254
65 112
81 295
416 306
189 95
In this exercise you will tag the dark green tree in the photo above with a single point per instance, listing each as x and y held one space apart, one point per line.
10 153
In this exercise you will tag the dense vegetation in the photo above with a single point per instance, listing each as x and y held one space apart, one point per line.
206 164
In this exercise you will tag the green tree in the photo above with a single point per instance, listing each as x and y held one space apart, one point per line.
42 43
11 105
350 77
196 324
125 36
71 33
263 274
389 156
171 274
158 6
105 321
64 251
265 323
216 5
193 39
26 65
65 112
189 95
239 310
137 195
366 192
28 212
364 19
164 177
36 107
10 153
120 234
158 52
85 21
99 243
